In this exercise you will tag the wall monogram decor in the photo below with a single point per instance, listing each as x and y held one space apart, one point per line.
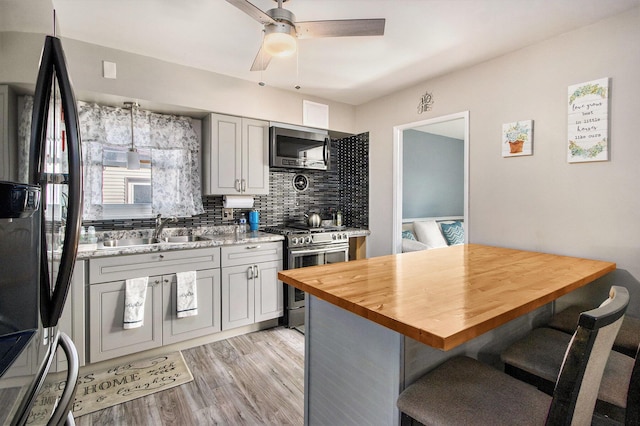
425 103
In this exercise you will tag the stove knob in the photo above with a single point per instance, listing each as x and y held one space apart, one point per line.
334 236
294 240
308 240
345 236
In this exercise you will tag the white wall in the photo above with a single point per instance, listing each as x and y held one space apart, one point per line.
538 202
157 83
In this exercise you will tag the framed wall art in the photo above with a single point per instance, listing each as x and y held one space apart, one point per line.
588 121
517 138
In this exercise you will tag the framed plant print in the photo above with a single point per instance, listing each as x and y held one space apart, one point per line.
517 138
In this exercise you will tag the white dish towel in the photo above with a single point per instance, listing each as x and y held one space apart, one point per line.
135 293
187 297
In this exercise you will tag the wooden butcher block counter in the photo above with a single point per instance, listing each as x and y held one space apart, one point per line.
445 297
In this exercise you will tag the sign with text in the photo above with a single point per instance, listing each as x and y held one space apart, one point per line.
588 121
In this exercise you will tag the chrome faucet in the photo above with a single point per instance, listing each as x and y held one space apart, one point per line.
160 224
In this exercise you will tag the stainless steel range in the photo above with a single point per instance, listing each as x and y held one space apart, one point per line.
306 246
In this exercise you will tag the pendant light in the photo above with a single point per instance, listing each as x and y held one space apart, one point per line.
133 158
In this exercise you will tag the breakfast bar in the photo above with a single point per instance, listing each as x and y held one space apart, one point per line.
375 325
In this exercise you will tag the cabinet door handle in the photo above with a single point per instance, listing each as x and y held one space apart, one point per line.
244 185
252 247
156 282
161 256
250 273
255 271
237 185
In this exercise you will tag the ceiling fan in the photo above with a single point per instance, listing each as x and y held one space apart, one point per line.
282 31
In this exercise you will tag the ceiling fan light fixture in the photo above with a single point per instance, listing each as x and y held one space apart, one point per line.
280 40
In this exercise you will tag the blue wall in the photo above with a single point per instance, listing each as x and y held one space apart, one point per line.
432 175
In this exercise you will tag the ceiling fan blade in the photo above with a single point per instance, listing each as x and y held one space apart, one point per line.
340 28
261 61
252 11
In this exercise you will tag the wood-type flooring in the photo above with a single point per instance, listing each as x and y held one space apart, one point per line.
254 379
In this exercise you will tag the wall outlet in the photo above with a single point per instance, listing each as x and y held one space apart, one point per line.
227 214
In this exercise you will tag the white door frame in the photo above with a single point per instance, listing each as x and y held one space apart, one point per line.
397 174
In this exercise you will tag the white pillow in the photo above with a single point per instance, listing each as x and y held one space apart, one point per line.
428 232
412 245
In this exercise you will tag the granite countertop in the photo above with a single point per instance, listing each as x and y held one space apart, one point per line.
87 251
357 232
213 236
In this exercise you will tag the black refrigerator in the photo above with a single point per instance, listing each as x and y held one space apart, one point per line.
39 230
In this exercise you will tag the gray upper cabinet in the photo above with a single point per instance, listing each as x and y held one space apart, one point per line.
235 156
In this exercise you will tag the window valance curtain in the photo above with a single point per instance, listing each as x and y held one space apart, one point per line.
172 141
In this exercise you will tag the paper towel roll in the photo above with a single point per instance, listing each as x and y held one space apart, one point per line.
237 201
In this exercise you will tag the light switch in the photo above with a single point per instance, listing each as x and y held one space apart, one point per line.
109 69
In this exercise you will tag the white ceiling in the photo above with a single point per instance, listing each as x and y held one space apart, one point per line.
423 38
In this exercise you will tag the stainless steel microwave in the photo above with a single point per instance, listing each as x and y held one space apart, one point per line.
299 148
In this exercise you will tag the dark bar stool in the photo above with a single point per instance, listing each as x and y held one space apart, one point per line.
465 391
628 338
537 359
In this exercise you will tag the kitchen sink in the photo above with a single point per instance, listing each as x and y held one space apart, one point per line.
184 239
130 242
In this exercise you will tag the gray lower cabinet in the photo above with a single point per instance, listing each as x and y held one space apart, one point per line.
251 291
238 297
207 321
269 300
72 319
107 338
107 280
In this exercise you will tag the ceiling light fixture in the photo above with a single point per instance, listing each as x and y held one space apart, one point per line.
280 39
133 158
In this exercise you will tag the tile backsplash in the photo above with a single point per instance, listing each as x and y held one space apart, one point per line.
345 187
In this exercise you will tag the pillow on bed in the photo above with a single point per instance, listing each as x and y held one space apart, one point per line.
428 233
412 245
453 233
408 235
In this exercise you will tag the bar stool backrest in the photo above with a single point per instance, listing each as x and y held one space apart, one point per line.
577 386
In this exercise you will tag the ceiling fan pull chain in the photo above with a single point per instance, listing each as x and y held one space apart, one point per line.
297 86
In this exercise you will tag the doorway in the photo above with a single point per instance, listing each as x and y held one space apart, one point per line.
455 126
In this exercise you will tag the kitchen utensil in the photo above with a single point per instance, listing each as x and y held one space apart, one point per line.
313 219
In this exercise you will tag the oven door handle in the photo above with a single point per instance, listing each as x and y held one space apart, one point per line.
318 250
